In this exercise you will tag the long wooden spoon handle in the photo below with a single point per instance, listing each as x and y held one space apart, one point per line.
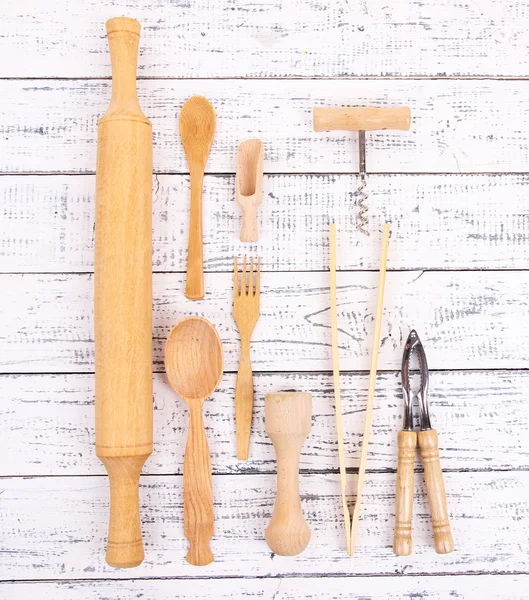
198 491
435 487
407 443
195 258
244 403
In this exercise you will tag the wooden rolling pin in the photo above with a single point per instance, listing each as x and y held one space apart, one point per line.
123 295
287 423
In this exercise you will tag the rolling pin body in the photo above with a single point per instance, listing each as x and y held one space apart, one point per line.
123 295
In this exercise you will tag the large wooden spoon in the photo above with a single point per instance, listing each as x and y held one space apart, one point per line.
193 363
197 127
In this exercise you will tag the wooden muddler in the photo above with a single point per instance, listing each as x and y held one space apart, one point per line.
287 423
123 295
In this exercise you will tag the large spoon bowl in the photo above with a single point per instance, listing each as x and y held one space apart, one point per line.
193 359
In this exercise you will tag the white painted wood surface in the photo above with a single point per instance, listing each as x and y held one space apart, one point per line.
455 191
337 38
65 537
457 126
486 410
466 319
438 222
506 587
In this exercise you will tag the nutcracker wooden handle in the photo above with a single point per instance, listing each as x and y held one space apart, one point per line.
407 443
123 294
361 118
429 445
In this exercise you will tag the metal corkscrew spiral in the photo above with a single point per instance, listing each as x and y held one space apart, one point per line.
361 195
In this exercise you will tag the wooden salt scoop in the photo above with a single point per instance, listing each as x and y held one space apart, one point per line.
249 186
197 127
123 295
193 362
287 423
351 521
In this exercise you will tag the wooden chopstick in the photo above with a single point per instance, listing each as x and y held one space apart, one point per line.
371 392
351 524
336 378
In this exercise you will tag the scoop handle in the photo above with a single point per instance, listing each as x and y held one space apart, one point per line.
435 487
407 443
198 491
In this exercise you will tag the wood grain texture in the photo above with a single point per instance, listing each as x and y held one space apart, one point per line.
457 126
123 294
506 587
246 310
249 186
193 361
287 423
487 410
67 543
433 476
197 128
438 222
269 39
471 322
407 446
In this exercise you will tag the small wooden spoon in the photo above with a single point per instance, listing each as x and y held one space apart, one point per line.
197 127
193 363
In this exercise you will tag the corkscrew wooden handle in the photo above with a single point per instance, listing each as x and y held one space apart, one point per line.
361 118
407 443
429 445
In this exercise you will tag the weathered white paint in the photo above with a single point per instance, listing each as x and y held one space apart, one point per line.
467 320
57 527
457 126
506 587
482 420
270 39
438 222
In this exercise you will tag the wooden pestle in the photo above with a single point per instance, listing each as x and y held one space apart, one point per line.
123 295
287 423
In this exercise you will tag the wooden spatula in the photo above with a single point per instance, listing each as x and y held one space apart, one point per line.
197 127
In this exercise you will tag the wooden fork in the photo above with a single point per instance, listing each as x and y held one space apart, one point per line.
246 314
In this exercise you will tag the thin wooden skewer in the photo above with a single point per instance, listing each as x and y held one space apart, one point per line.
371 392
336 377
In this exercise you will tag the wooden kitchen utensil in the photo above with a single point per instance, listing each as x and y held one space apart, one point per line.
249 186
193 363
351 521
122 295
361 119
197 127
246 300
428 443
287 423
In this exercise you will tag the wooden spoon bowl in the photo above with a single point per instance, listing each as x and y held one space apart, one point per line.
194 364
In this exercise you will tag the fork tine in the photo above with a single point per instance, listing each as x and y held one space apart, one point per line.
243 278
258 278
235 276
250 279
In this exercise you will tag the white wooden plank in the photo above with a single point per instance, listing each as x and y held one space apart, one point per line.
474 413
438 222
485 587
265 38
467 320
457 126
56 528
